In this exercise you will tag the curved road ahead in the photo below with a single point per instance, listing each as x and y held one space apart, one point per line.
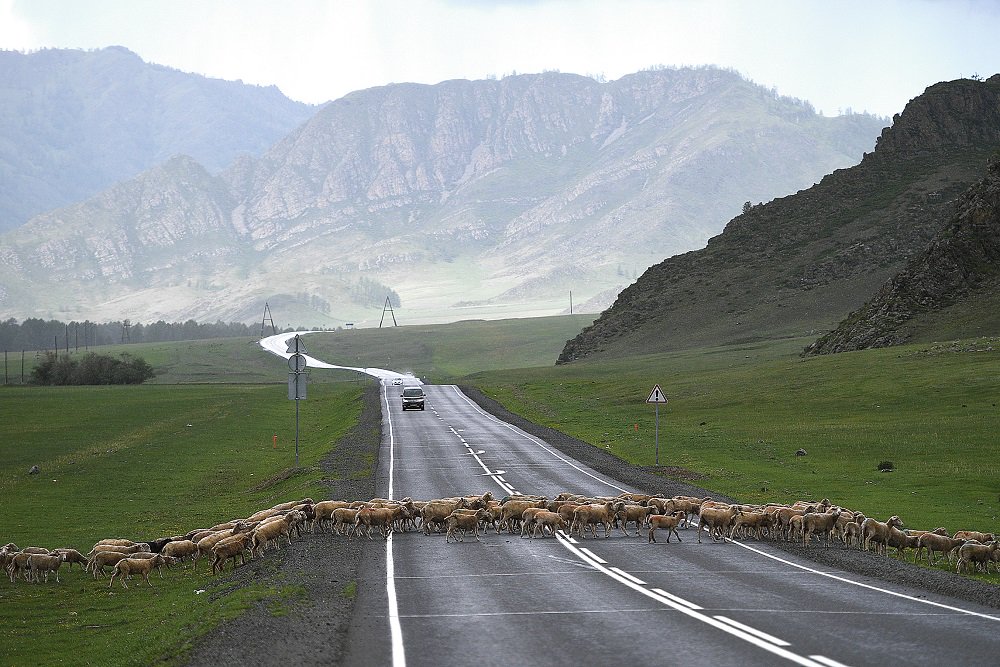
512 601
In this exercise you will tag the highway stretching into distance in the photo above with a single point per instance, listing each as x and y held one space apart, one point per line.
507 600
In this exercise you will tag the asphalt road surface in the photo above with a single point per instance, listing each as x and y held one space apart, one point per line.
507 600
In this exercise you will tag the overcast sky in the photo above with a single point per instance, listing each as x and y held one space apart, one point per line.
867 55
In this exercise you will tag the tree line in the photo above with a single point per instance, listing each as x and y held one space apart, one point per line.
38 334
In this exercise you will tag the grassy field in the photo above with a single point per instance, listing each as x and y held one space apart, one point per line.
142 462
737 415
194 447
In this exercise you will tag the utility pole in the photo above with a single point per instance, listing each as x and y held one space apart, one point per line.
387 306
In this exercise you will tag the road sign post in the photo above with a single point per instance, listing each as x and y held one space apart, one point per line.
296 383
656 397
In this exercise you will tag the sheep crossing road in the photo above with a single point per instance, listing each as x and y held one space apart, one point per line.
509 600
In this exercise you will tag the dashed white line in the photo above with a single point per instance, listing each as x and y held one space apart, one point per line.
754 631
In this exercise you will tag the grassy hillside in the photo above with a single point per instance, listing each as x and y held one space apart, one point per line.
737 415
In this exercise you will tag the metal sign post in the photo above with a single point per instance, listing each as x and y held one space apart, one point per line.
296 383
656 397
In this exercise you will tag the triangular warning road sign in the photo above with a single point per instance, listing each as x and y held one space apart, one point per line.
656 396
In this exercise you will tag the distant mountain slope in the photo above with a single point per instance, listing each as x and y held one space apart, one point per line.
468 198
951 290
801 263
75 122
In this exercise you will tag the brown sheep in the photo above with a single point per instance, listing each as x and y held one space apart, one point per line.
231 547
716 520
460 521
181 549
875 532
552 520
822 524
668 521
44 563
129 566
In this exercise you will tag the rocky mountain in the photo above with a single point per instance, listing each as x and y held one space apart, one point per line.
801 263
950 290
467 198
73 123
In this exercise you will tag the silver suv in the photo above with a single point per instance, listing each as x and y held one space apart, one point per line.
413 398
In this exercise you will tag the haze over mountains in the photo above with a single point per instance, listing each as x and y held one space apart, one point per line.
799 265
466 198
75 122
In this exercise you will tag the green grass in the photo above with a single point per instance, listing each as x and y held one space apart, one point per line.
142 462
126 462
737 415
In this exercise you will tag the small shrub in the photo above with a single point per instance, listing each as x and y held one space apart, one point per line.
886 466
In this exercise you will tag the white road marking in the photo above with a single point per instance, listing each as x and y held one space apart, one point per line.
754 631
868 586
827 661
676 598
593 555
395 628
697 615
634 579
531 438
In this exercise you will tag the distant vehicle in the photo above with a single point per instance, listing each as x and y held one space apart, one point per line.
413 398
397 382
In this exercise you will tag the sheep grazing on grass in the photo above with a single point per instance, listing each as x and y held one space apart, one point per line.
668 521
71 556
44 563
126 567
976 555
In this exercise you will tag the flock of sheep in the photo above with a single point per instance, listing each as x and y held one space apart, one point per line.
528 516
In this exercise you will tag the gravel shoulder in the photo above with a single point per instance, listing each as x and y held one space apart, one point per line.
311 627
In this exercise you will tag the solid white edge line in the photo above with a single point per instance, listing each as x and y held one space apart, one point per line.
754 631
395 628
593 555
862 585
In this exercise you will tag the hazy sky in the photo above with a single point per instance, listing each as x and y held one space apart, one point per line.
867 55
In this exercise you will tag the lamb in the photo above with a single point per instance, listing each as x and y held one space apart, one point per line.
552 520
460 521
717 520
668 521
822 524
231 547
528 520
975 554
874 531
129 566
851 534
44 563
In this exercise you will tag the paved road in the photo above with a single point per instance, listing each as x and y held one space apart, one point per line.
512 601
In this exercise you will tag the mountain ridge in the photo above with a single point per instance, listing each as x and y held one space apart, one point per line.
74 122
801 263
466 197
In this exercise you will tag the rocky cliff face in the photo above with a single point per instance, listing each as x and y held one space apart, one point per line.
468 198
961 265
801 263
